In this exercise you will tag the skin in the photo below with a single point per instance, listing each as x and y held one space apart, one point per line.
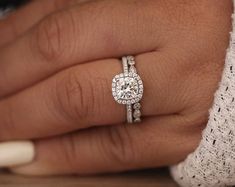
57 66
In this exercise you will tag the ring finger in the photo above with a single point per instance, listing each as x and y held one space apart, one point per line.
80 97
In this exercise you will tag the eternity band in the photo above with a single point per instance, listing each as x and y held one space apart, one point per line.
127 89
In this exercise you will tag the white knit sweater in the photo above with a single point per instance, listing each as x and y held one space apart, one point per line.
213 162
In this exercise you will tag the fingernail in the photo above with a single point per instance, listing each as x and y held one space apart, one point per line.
16 153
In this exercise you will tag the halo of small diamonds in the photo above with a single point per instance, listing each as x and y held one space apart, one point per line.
127 88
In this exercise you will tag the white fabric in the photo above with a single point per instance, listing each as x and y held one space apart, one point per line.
213 162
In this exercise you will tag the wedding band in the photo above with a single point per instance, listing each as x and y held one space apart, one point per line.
128 89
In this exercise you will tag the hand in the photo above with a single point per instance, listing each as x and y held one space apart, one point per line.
56 74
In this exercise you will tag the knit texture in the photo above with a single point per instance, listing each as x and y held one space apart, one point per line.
213 162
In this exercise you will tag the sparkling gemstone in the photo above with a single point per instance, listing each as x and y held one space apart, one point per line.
132 69
137 106
128 88
137 114
137 120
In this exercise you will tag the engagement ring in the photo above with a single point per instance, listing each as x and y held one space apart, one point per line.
127 89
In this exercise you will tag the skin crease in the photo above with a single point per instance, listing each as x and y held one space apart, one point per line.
59 95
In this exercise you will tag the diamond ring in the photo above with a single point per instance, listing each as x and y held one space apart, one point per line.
128 89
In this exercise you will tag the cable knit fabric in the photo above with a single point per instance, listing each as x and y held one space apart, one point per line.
213 162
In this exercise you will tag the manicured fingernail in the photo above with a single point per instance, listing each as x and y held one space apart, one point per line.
16 153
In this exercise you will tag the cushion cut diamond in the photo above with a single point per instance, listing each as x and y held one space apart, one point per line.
127 88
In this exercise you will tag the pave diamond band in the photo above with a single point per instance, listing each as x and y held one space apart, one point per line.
127 89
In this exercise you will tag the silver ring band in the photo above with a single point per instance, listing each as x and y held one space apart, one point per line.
127 88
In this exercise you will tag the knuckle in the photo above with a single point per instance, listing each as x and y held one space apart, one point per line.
72 97
48 38
117 145
79 96
52 34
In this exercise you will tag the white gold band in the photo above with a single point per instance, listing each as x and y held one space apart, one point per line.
133 113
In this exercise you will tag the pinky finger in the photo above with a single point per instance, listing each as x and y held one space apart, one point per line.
158 142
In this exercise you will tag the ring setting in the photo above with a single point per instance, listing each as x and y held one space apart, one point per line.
128 89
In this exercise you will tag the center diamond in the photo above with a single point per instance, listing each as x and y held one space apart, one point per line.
127 89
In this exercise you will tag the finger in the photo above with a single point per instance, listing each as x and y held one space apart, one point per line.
81 97
74 36
157 142
21 20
